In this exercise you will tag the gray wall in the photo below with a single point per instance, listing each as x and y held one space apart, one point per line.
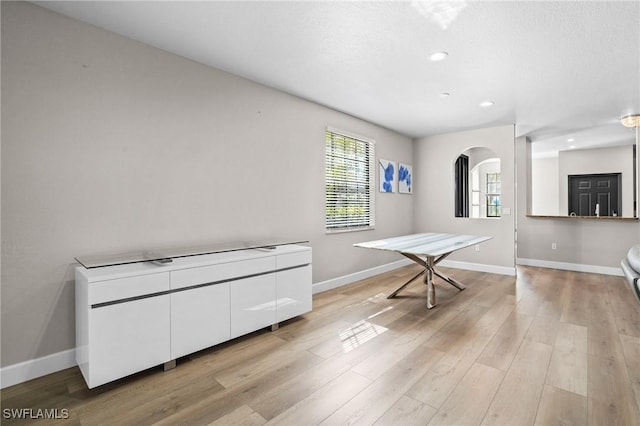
545 198
110 145
602 243
434 159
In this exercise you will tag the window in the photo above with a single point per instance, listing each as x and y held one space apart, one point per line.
349 182
493 195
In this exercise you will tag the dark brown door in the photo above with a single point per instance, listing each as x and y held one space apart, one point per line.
588 191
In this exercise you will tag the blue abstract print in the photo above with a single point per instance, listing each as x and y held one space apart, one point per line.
405 178
387 175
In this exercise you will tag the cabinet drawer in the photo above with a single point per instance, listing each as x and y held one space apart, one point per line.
293 259
224 271
123 288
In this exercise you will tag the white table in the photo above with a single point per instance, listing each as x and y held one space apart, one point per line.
427 250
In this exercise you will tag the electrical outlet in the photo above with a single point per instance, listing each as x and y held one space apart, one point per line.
477 247
553 246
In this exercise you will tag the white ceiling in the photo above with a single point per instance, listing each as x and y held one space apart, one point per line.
554 69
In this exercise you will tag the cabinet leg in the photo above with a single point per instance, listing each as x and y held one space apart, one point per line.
169 365
275 326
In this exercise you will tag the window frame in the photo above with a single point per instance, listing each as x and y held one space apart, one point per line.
358 187
497 184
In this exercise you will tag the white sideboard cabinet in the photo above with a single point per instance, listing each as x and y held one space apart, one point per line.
133 316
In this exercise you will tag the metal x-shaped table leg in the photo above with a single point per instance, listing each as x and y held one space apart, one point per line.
429 268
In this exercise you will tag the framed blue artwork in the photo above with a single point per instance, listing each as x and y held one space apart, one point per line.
405 178
387 175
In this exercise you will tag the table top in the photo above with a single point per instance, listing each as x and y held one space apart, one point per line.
116 259
425 244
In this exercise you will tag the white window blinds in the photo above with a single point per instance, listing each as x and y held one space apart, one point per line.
349 182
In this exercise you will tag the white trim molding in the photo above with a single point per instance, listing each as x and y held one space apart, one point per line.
357 276
32 369
480 267
594 269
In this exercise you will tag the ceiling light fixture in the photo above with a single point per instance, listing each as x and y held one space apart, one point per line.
438 56
632 120
570 140
487 104
445 94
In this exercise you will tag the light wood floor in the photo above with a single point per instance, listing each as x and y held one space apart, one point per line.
550 347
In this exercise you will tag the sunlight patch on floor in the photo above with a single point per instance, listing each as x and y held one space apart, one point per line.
360 333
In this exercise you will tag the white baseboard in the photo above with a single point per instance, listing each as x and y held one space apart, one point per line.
27 370
480 267
357 276
594 269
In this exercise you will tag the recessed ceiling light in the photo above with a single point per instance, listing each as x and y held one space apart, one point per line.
487 104
572 146
570 140
438 56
